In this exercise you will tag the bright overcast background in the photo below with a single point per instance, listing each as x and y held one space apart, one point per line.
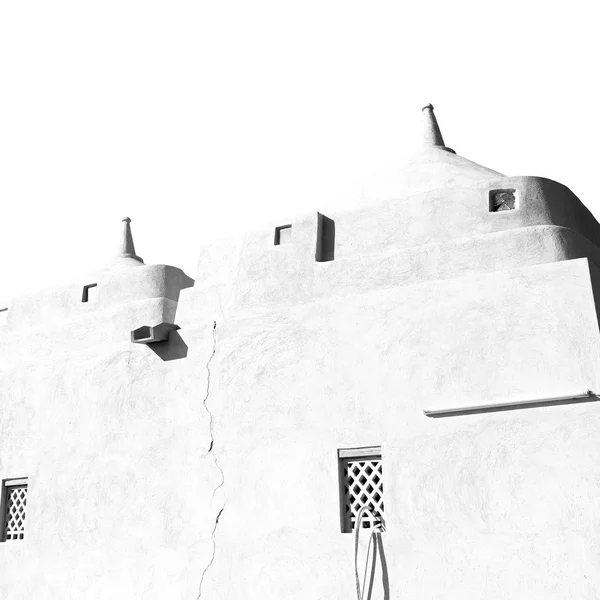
201 119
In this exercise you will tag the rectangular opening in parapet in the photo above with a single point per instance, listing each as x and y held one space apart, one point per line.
501 200
361 486
90 293
325 238
12 506
283 235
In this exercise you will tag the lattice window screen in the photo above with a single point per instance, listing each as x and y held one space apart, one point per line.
15 501
362 485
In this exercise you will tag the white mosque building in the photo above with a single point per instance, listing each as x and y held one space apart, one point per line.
423 372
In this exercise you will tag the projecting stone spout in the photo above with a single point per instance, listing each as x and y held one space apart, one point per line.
432 136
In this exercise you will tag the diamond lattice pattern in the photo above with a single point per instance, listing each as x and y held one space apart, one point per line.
363 486
14 521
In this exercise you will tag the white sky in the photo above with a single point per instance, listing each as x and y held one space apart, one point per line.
199 119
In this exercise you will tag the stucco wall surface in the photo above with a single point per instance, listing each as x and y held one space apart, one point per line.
498 505
213 457
127 480
117 285
287 275
114 439
437 234
412 219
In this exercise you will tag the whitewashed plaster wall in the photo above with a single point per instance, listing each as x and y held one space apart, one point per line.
499 505
439 233
115 443
131 455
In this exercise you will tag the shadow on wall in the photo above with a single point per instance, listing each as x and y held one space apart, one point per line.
173 348
325 239
378 556
595 278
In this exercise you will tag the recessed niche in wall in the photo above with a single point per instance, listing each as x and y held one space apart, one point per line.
12 509
283 235
325 238
361 485
90 293
501 200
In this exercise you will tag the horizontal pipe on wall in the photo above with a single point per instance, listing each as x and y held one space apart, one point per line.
588 396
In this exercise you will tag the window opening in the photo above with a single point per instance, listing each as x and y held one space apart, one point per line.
283 235
361 485
14 502
90 293
501 200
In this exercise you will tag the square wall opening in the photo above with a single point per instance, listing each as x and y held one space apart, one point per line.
502 200
90 293
283 235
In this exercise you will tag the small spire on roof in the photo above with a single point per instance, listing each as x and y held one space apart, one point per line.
432 136
127 249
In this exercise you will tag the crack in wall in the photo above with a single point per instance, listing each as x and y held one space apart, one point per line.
214 552
210 422
211 451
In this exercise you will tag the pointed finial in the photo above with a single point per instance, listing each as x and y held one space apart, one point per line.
432 136
127 249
